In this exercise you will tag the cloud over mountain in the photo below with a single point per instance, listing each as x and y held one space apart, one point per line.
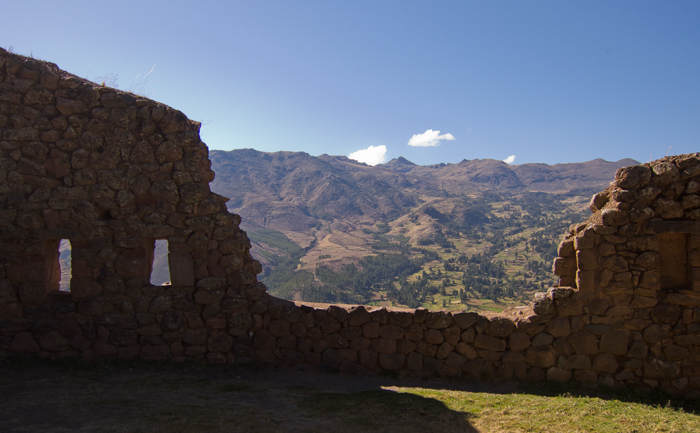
373 155
429 138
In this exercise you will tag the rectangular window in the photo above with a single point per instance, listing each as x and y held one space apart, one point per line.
160 271
64 262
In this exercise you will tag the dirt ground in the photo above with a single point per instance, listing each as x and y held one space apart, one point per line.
40 397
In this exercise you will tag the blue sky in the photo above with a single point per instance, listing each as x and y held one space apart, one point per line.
546 81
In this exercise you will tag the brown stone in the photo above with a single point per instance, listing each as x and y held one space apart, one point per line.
666 313
584 343
585 376
558 375
615 263
633 178
371 330
465 320
444 350
605 363
391 332
673 352
358 316
655 368
438 320
500 327
405 346
614 342
466 350
541 356
655 333
369 359
414 361
414 332
433 336
426 349
518 341
468 335
24 343
452 334
559 327
220 343
564 266
488 342
383 345
392 361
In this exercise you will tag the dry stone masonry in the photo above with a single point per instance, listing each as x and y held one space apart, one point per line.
112 172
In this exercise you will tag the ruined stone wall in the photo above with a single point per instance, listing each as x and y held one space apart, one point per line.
112 172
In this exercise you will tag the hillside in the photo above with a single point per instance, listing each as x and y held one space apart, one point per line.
479 234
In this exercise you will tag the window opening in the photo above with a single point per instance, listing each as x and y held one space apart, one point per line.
64 262
160 271
673 253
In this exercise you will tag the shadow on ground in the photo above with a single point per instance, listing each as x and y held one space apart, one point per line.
43 396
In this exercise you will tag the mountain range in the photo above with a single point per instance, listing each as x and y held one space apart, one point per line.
292 191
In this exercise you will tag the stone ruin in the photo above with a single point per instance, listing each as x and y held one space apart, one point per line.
112 172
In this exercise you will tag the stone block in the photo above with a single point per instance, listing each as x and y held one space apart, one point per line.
466 350
452 334
24 343
465 320
500 327
564 266
433 336
444 350
655 368
587 260
585 281
583 342
558 375
518 341
541 356
585 376
455 361
579 362
392 332
358 316
371 330
414 361
405 346
488 342
605 363
666 313
438 320
369 359
673 352
559 327
181 267
385 346
542 339
614 342
414 332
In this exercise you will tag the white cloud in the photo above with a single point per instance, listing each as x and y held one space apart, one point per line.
429 138
510 159
373 155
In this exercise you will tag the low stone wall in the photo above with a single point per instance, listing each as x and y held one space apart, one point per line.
112 172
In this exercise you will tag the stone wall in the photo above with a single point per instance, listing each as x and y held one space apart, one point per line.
112 172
